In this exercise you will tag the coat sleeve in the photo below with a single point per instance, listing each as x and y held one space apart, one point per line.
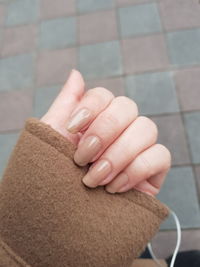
49 218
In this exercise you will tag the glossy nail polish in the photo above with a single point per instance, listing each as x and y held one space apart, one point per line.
119 184
78 120
87 150
98 173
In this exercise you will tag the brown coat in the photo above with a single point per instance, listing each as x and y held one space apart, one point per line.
49 218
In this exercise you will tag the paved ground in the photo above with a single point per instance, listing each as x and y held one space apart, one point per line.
146 49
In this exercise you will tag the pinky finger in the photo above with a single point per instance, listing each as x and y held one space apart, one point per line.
145 173
152 185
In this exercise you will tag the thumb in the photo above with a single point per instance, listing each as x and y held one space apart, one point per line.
74 86
66 101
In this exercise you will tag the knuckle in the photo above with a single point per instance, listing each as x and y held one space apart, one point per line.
109 119
128 102
107 125
99 97
166 155
100 91
151 125
123 98
145 165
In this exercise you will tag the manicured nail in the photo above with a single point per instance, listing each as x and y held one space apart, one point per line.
147 188
78 120
97 173
89 148
119 184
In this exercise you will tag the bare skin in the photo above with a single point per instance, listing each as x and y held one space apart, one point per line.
121 146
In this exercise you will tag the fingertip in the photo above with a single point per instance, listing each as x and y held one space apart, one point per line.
76 76
147 188
74 86
110 190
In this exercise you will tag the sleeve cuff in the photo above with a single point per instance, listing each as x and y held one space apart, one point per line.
49 218
48 135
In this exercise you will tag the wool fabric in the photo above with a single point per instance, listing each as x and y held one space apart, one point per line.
49 218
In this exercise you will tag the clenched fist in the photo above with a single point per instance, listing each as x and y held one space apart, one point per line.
109 134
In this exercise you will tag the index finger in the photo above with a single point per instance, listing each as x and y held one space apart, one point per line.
93 102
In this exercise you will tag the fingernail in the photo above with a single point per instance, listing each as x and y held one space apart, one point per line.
87 150
97 173
78 120
147 188
119 184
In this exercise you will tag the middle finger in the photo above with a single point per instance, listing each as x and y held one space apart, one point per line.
105 129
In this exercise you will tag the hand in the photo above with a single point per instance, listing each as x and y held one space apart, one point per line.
119 144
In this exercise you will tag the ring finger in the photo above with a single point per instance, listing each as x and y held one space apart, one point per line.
145 173
141 134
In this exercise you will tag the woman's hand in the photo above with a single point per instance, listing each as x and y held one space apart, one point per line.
110 134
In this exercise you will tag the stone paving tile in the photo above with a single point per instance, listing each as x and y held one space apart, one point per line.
171 134
16 72
44 97
19 40
22 12
150 53
197 173
57 33
179 184
132 2
192 124
100 30
54 66
164 242
180 14
104 60
2 14
15 107
52 9
188 88
184 48
153 92
115 85
143 19
1 38
92 5
7 142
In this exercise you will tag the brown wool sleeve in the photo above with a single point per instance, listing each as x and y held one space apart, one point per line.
49 218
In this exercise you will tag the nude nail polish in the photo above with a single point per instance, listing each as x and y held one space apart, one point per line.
97 173
119 184
89 148
78 120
